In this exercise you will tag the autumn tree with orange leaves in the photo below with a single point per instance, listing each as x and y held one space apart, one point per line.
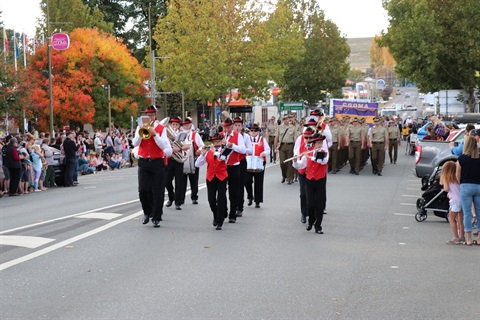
382 61
93 59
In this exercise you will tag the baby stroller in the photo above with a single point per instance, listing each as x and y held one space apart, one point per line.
434 198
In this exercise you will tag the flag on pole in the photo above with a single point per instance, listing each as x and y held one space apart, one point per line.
16 54
25 49
35 45
5 42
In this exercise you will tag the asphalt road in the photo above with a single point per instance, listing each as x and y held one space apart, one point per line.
82 253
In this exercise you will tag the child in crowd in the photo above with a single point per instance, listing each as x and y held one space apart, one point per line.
455 215
83 165
26 172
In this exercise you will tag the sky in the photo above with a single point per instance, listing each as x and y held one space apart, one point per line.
354 18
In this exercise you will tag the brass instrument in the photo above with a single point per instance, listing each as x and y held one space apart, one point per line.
145 132
180 156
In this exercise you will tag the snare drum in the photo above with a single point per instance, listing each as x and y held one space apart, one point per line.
254 164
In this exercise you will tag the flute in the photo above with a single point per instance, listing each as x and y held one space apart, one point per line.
301 155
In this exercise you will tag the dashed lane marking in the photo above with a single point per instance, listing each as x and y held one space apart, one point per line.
99 215
404 214
24 241
407 204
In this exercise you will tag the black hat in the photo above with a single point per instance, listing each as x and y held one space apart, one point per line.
216 136
310 122
227 122
237 120
317 137
187 121
175 119
316 112
309 131
255 127
150 109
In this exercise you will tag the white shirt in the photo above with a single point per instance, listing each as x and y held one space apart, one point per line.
161 140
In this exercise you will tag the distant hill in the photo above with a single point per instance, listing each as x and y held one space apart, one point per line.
359 52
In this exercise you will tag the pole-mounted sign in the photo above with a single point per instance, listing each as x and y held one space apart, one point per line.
60 41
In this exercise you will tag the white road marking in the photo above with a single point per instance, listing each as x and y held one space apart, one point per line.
402 243
404 214
405 228
394 267
100 215
408 204
24 241
64 243
92 187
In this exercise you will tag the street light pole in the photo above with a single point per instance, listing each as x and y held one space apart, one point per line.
109 110
50 71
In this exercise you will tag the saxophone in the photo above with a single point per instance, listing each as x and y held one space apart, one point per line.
180 156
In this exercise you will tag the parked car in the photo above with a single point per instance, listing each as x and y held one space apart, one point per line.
431 153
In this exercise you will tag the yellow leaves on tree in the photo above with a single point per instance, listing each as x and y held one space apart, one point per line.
94 58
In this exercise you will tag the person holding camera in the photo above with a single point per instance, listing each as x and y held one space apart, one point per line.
315 160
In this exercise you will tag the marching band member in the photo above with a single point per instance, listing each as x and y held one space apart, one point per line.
216 179
151 168
195 143
299 148
174 171
316 164
238 127
260 148
234 141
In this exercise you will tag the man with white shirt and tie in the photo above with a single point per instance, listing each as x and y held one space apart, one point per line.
260 149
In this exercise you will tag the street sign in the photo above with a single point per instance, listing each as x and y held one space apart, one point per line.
218 111
60 41
202 115
284 106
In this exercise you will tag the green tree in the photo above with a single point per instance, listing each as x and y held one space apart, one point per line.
435 43
213 47
67 15
323 65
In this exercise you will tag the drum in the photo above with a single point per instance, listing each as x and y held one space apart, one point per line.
254 164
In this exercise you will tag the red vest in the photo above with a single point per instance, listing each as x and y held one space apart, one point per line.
215 168
235 156
259 147
303 148
149 149
315 170
242 156
195 147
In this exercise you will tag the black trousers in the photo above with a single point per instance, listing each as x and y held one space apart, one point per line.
234 183
193 178
174 171
151 187
217 199
15 174
254 186
70 165
49 177
243 181
303 196
316 194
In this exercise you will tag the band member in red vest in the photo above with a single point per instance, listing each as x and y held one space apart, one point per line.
190 171
238 127
174 170
216 179
151 168
260 149
234 141
316 163
299 148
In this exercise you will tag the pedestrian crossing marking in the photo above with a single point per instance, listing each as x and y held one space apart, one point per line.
100 215
24 241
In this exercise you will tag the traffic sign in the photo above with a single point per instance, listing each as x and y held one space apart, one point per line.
291 106
202 115
218 111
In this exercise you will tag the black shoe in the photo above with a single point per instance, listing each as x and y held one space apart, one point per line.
352 172
239 213
334 172
194 202
309 227
289 182
232 220
219 227
283 180
379 174
303 219
296 180
374 172
156 223
168 204
394 162
146 219
250 201
318 230
324 211
178 207
257 205
214 223
356 173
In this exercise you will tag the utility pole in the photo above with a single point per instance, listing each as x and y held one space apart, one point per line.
49 49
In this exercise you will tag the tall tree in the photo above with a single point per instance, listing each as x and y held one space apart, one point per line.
67 15
435 43
323 65
382 60
93 59
213 47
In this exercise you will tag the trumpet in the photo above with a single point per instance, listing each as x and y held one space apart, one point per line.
302 154
145 131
